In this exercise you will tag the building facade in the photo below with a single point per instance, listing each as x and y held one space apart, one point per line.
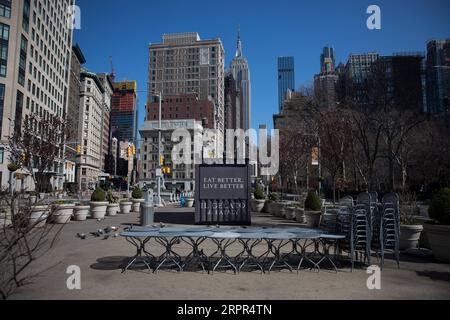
89 162
182 176
124 111
437 75
185 64
241 73
35 47
106 121
286 78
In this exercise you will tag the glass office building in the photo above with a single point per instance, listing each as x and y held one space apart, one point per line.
286 78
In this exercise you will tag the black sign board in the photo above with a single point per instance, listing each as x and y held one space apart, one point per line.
222 194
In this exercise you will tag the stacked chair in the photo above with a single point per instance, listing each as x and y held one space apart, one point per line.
390 227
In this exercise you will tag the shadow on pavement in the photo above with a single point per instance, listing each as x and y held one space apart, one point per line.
435 275
110 263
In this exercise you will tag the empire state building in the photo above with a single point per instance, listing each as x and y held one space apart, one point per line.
241 74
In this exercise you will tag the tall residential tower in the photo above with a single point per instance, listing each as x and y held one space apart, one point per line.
286 78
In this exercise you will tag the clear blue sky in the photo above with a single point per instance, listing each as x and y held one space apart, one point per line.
269 28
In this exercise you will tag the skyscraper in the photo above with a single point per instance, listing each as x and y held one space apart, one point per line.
327 60
286 78
241 74
437 75
30 81
124 111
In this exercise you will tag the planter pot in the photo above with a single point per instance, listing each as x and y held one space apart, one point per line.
38 216
257 205
137 205
409 236
112 209
80 213
189 202
266 207
98 209
439 238
299 215
63 213
279 209
42 196
125 207
312 218
33 199
290 213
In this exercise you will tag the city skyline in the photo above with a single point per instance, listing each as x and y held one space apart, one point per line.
305 42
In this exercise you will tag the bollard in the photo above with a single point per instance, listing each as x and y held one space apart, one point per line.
147 209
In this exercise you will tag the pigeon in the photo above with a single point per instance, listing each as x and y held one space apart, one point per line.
95 234
99 219
108 230
106 237
81 236
100 231
115 235
114 228
162 225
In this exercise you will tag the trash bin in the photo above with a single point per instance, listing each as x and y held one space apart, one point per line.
147 210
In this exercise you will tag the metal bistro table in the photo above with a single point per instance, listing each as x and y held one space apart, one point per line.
304 238
194 238
139 239
249 241
167 238
223 241
275 243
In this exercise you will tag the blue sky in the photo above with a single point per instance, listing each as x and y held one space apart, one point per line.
269 28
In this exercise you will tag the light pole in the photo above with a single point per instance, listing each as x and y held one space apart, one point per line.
158 170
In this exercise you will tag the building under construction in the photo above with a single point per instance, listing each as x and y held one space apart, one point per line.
124 111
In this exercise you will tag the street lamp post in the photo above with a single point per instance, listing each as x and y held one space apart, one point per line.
158 171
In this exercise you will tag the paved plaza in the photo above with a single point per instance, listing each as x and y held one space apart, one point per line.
100 262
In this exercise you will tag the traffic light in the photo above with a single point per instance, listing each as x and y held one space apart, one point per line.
166 170
78 149
129 152
161 160
133 150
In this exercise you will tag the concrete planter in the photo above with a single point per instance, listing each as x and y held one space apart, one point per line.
137 205
98 209
279 209
33 199
439 237
63 213
312 218
290 213
80 213
257 205
409 236
189 202
38 216
112 209
299 215
125 207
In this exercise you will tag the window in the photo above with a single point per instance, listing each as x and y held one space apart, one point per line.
18 115
2 102
26 15
23 60
5 8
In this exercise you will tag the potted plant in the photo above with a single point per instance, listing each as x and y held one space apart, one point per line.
113 206
137 198
38 216
410 228
62 212
273 198
98 204
438 233
125 205
313 207
80 212
33 197
259 200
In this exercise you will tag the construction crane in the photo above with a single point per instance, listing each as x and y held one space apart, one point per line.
113 72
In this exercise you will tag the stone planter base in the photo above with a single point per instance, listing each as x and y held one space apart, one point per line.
63 213
38 216
439 238
257 205
80 213
137 205
125 207
312 218
279 209
290 213
98 210
299 215
112 209
409 236
189 202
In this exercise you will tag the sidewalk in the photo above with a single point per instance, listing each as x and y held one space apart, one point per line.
101 276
